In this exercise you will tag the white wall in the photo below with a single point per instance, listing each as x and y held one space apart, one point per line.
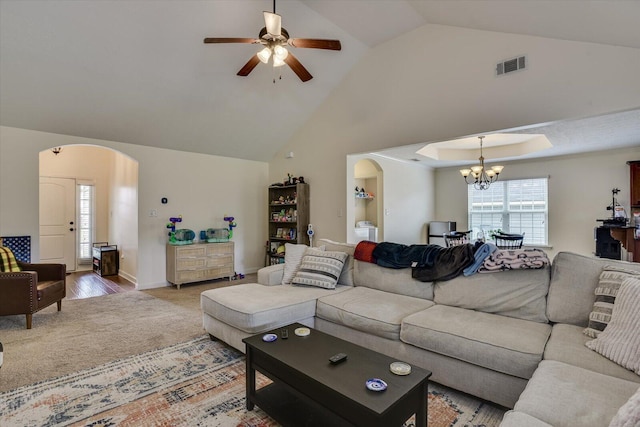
579 192
200 187
438 83
123 213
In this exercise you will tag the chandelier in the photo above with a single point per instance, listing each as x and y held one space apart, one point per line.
478 175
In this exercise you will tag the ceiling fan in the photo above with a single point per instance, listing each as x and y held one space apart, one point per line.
275 39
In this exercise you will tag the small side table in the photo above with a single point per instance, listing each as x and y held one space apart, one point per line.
105 259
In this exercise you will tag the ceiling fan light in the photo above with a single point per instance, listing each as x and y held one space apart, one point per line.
280 52
264 55
277 62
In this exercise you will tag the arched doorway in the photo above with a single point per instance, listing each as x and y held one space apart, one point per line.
100 186
365 201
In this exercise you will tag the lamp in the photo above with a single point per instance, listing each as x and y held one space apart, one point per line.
482 178
264 55
56 150
275 51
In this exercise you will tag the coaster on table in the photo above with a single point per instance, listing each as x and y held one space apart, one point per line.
302 332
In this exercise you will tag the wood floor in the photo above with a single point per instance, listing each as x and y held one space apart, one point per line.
86 284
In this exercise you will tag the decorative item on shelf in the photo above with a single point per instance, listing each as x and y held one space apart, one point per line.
217 235
481 177
184 237
56 150
362 194
232 224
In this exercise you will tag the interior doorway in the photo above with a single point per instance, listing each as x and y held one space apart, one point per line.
365 201
112 214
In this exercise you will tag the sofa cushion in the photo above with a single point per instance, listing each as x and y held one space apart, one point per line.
567 396
397 281
516 293
320 268
574 279
620 341
503 344
255 308
567 344
370 310
346 277
608 285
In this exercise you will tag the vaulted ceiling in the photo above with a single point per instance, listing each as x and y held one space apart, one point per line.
137 71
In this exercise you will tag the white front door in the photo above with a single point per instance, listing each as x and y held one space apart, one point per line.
58 221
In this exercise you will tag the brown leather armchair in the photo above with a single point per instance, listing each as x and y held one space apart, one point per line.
35 287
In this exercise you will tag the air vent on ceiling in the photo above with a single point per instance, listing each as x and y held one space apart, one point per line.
511 65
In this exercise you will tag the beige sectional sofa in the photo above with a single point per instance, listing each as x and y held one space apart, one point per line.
514 337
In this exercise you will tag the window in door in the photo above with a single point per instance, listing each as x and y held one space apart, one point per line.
86 222
515 206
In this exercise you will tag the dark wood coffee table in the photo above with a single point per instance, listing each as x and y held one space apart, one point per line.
307 390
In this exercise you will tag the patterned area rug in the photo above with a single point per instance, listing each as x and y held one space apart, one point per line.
196 383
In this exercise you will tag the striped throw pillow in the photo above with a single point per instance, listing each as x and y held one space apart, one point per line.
292 258
620 341
320 268
8 263
610 280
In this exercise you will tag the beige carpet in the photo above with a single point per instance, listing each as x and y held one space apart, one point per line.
90 332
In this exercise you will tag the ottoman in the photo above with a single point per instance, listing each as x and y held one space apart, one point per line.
233 313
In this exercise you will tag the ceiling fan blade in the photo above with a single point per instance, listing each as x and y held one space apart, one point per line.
273 22
230 40
249 66
316 43
297 67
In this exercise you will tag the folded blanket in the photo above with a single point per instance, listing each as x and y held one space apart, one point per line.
364 251
396 255
514 259
482 252
449 263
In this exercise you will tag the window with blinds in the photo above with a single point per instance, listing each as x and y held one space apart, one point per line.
85 222
516 206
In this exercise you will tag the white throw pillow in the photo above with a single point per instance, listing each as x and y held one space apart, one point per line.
320 268
608 285
292 258
620 341
629 414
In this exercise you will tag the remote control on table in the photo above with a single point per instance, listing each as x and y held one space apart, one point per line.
284 333
337 358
